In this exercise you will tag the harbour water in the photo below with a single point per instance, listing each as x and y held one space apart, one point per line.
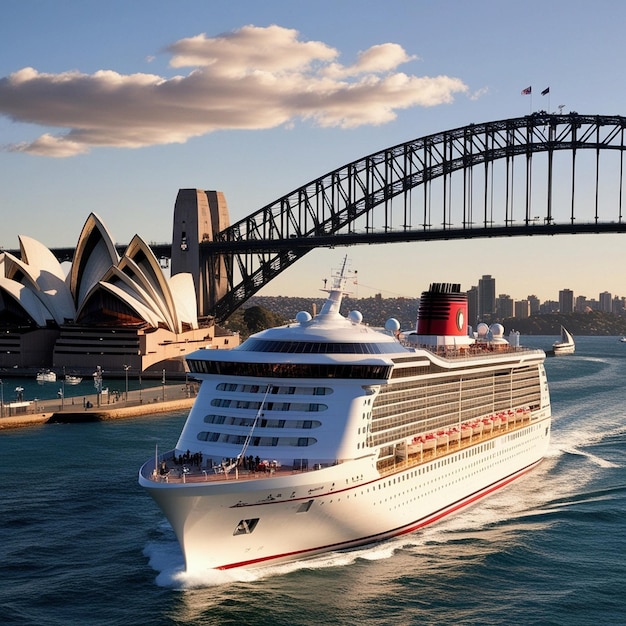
81 543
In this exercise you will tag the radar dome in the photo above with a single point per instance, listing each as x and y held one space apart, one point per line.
355 317
482 329
497 330
303 317
392 325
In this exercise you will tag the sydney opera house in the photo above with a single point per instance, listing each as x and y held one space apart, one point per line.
108 310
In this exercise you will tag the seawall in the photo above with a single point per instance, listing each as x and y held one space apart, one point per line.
51 413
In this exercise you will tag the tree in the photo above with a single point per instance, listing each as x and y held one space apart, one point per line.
252 320
256 318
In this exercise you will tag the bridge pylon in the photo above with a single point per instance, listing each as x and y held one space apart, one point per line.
198 217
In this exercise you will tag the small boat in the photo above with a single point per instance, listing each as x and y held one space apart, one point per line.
565 345
70 379
622 339
46 376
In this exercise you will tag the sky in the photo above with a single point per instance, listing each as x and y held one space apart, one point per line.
112 107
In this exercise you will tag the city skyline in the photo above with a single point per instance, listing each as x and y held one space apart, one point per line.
256 99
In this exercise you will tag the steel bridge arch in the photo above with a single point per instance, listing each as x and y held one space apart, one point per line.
342 206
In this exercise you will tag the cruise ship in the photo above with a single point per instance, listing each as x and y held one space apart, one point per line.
327 434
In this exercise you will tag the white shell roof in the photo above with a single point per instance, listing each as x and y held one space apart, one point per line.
184 293
37 281
95 254
39 271
27 300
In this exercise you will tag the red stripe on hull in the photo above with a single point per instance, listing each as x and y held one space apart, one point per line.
430 519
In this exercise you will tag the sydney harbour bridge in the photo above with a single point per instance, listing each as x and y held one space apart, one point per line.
541 174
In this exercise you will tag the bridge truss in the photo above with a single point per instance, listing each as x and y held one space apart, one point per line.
519 176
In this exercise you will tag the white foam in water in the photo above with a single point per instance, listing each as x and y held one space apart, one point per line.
587 427
592 457
166 558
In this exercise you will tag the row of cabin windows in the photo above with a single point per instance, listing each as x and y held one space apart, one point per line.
272 442
276 389
306 407
247 422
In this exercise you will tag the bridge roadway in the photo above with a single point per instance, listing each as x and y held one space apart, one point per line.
164 250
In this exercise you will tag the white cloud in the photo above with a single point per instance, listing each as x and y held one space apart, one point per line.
250 49
252 78
382 58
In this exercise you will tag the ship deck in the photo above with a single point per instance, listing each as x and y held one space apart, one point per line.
195 473
477 350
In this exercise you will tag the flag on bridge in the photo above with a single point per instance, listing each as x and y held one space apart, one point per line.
527 91
546 91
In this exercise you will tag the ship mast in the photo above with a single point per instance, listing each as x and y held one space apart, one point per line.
337 290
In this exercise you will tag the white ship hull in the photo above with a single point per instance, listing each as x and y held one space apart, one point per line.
350 504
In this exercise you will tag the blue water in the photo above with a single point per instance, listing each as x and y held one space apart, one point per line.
81 543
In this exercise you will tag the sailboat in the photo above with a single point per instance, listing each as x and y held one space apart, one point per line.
565 345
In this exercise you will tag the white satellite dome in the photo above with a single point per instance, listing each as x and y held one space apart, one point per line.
356 317
483 330
303 317
392 325
497 330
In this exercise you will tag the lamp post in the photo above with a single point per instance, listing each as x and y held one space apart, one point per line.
163 383
1 398
126 368
97 381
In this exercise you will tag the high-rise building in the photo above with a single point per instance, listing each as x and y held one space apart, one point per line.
534 304
549 306
566 301
605 299
486 298
522 308
504 307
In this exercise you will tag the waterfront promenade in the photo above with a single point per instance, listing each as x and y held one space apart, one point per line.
172 397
